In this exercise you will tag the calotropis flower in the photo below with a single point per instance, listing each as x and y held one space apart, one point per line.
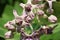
27 24
52 18
26 20
50 11
40 12
21 18
28 6
8 34
18 19
31 14
9 26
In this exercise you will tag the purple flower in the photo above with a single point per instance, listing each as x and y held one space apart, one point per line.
50 11
25 23
40 13
19 20
8 34
28 7
9 26
52 18
32 15
28 19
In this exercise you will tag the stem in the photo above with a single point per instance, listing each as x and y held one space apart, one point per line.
38 18
31 27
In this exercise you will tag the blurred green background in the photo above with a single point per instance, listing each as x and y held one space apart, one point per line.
6 14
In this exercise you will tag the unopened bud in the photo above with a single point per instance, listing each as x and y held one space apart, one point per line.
52 18
10 26
28 19
8 34
50 11
40 13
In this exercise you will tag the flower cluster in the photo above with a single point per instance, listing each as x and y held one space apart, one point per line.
28 16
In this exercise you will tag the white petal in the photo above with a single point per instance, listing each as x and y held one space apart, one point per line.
22 5
15 13
8 34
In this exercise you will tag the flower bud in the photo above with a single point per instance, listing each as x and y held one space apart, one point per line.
9 26
52 18
28 19
40 12
32 15
50 11
8 34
